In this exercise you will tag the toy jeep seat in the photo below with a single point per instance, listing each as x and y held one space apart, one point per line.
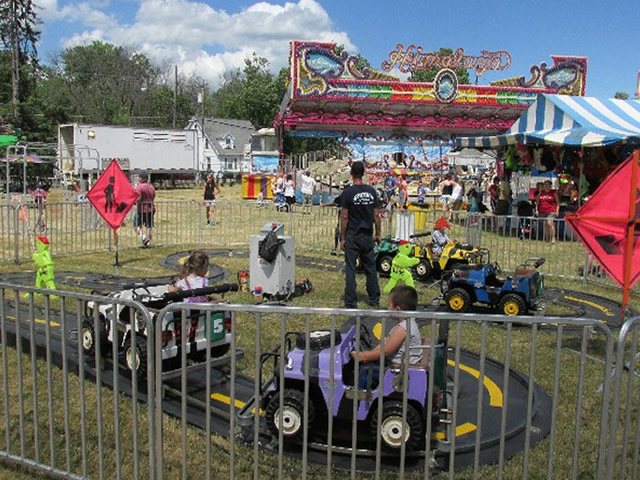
523 271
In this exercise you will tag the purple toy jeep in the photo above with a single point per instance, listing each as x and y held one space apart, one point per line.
290 414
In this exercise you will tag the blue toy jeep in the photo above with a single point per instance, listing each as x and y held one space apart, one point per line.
479 283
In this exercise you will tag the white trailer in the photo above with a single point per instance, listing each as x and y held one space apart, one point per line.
159 151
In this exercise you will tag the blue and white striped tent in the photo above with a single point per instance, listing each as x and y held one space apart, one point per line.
568 120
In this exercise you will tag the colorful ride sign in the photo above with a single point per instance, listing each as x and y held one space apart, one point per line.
113 195
608 224
413 59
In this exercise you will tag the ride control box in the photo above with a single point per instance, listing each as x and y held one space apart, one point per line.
276 278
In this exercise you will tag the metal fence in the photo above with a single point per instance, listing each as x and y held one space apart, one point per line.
522 397
75 227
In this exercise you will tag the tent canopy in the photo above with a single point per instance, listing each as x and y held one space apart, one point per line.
568 120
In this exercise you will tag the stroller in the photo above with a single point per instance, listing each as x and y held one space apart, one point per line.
281 202
526 222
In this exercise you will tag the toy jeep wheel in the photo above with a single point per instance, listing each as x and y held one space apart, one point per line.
135 356
90 339
318 340
423 270
292 414
384 264
391 427
458 300
511 304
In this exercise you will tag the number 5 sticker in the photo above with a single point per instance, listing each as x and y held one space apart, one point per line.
218 325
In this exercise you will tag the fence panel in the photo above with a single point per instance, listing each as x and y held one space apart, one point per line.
624 435
67 409
551 414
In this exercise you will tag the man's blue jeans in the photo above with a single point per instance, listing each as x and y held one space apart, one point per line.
360 246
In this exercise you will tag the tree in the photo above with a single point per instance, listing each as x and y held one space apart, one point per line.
429 74
109 83
622 95
19 36
252 93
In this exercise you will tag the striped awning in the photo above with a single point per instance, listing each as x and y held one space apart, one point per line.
568 120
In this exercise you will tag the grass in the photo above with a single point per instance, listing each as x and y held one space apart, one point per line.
328 287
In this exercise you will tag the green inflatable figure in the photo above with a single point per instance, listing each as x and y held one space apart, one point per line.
400 266
42 258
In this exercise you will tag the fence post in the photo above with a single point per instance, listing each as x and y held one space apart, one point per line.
16 228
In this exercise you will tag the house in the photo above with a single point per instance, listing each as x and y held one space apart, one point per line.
226 144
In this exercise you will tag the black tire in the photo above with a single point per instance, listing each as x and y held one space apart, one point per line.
90 339
137 352
512 304
384 265
423 270
293 417
318 340
391 427
458 300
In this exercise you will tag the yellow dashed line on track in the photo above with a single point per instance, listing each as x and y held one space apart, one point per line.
603 309
460 430
37 320
495 394
219 397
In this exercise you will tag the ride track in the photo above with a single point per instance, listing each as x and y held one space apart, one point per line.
493 387
493 400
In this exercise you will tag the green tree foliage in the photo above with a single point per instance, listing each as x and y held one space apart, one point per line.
252 93
430 74
622 95
18 54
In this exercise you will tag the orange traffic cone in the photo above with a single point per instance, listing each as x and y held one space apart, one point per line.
23 213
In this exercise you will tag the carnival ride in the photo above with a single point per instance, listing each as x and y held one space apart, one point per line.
114 325
430 265
479 283
336 395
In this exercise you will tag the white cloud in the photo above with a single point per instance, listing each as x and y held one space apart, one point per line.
200 38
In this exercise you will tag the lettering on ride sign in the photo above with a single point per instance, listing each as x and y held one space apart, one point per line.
414 59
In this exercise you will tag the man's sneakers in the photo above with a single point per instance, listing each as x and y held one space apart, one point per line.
145 241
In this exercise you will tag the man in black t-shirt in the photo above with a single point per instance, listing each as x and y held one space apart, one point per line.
359 204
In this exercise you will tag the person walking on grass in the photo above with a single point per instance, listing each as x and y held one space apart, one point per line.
146 209
308 187
211 189
357 220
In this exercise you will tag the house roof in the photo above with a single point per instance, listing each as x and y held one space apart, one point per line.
217 128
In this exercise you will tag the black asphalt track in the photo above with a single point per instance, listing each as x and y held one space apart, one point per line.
466 429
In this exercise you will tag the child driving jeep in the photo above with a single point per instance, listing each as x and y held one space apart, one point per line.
401 298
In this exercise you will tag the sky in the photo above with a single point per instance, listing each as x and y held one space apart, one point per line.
207 38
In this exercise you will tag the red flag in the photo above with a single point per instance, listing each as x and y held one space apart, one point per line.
113 195
608 224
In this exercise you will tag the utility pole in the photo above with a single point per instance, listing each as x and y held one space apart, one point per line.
15 61
175 96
